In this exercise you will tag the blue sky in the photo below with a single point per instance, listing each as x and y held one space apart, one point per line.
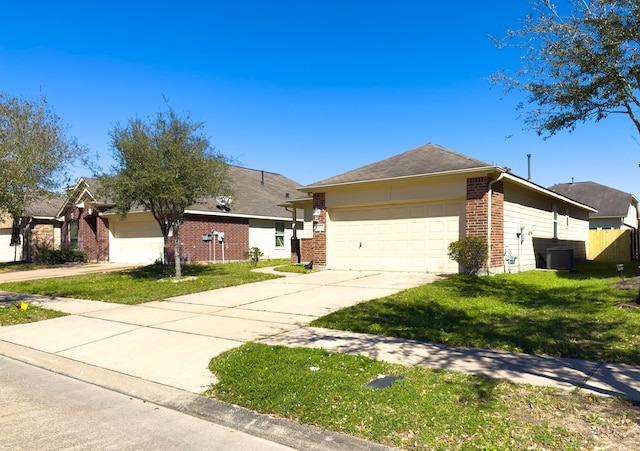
307 89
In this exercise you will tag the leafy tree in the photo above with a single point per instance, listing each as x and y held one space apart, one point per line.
35 154
164 164
580 61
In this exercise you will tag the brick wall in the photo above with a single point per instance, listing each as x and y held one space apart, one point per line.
477 215
301 250
236 238
38 236
93 233
320 237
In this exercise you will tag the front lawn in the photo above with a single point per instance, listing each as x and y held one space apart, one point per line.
10 315
424 409
144 284
568 314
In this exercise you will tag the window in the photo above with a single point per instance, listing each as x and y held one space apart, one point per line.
555 222
279 234
73 234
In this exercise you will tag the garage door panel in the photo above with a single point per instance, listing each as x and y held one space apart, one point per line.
411 237
135 242
8 252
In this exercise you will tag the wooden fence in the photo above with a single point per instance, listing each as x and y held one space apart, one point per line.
612 245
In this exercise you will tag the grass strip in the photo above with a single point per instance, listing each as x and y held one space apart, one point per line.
10 315
427 409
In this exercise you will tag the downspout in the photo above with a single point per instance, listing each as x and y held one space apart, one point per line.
490 192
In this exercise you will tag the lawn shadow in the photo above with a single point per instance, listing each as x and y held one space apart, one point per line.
562 373
556 321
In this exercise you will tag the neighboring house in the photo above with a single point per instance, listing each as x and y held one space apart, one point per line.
251 218
401 213
616 209
39 229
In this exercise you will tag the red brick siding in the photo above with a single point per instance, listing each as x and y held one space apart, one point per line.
303 246
93 233
477 215
236 238
319 237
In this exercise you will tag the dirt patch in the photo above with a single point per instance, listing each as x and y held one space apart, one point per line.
629 284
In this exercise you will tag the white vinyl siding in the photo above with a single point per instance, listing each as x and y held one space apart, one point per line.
534 214
262 234
394 237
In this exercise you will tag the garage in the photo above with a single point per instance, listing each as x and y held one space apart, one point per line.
8 253
135 241
394 237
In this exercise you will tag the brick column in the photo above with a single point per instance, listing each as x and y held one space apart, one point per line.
320 236
477 215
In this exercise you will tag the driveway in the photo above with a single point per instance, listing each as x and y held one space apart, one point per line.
171 342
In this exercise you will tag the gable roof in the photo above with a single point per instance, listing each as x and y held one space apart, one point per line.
256 194
423 160
44 207
608 201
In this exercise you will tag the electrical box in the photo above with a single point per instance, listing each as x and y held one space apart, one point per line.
207 237
220 237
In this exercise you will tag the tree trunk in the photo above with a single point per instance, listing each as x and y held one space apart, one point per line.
165 249
176 250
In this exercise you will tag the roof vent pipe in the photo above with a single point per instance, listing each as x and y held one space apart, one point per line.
262 182
529 166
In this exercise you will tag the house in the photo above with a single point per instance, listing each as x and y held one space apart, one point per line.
401 213
39 229
213 230
616 209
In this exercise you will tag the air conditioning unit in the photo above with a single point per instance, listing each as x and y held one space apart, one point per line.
560 258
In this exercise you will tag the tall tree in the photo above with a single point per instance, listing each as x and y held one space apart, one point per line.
164 164
580 61
35 154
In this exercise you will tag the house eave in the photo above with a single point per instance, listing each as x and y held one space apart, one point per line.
237 215
534 187
484 170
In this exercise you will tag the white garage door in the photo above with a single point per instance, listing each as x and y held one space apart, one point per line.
8 252
135 241
407 237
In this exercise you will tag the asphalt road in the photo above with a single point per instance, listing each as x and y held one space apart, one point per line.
40 409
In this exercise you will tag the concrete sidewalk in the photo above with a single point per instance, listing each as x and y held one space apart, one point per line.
69 269
171 342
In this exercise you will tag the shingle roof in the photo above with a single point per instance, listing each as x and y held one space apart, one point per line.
427 159
256 193
46 206
608 201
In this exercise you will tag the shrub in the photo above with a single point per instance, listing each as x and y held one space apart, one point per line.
58 256
471 252
254 255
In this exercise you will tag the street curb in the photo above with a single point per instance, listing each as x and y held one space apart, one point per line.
279 430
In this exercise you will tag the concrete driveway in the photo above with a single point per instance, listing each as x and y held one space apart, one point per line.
171 342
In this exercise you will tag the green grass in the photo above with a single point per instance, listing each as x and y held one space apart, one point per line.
19 266
536 312
428 409
142 284
294 268
9 315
